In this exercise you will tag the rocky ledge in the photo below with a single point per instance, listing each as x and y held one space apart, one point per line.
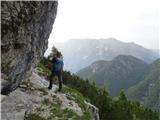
32 100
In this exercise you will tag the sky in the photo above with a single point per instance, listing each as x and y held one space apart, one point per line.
126 20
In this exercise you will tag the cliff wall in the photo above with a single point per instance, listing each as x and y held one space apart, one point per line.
25 29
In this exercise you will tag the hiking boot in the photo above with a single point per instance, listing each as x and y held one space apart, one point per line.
49 88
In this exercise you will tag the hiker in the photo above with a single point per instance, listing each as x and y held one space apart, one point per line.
57 69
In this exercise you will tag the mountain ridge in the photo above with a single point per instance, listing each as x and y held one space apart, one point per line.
87 51
120 73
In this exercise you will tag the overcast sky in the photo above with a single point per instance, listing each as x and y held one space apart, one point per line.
126 20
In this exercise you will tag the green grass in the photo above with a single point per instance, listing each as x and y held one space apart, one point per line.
73 94
62 114
43 90
55 110
68 113
34 117
46 101
87 116
42 70
40 109
29 85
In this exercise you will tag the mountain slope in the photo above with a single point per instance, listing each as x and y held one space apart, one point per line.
79 53
148 90
121 73
33 101
109 107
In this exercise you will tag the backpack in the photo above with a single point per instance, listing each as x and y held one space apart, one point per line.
57 64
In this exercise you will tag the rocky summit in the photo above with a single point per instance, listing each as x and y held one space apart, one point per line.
25 28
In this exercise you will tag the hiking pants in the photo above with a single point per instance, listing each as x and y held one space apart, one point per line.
59 75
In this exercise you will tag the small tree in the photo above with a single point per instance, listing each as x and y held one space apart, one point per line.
53 53
122 96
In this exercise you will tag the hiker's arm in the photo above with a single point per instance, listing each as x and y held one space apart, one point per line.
62 67
53 62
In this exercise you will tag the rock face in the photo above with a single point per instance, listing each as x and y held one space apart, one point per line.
94 110
26 26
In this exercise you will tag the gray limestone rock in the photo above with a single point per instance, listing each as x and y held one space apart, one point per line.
20 103
25 29
94 110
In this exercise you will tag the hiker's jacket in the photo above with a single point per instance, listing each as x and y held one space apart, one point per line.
57 65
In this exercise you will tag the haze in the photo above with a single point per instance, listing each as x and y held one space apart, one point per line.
126 20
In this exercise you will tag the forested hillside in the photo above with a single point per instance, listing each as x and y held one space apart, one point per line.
148 91
110 108
122 72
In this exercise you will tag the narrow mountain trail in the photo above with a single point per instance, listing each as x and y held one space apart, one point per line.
33 100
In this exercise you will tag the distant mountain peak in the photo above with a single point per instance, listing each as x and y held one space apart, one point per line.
127 57
79 53
124 56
